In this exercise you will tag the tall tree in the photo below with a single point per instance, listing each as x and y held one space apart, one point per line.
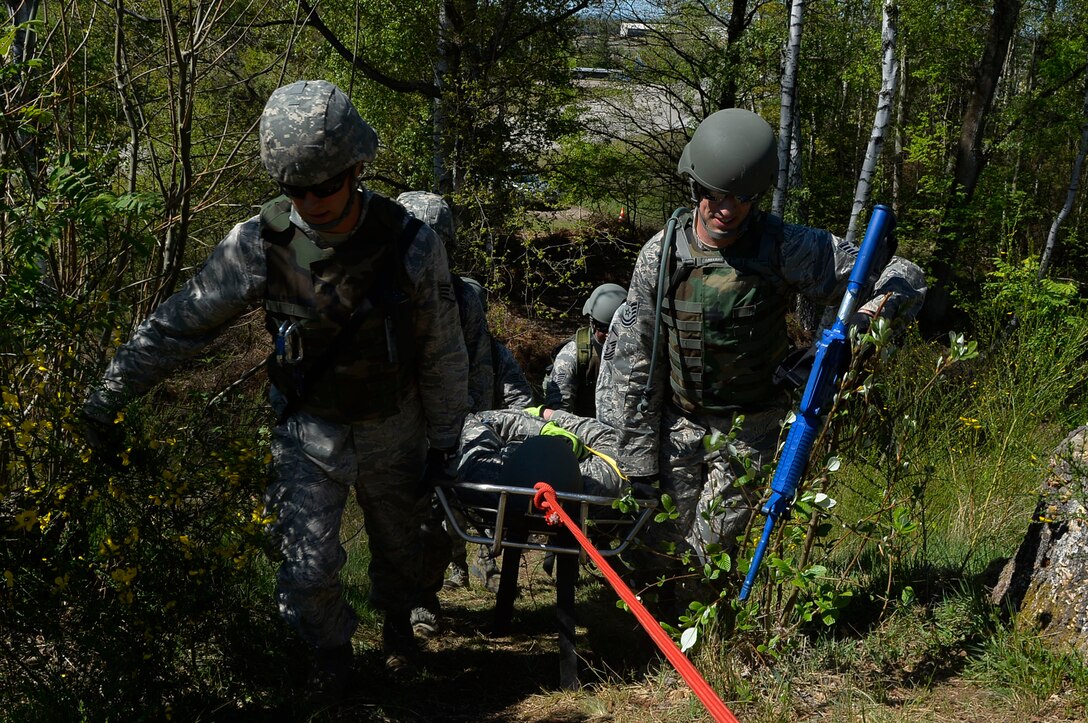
885 101
787 119
1070 196
969 160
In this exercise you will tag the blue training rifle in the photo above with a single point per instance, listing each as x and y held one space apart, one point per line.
832 355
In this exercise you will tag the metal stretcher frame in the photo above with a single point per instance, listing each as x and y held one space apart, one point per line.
513 527
496 541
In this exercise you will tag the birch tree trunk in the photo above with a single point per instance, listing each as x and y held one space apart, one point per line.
443 183
1070 196
789 99
885 101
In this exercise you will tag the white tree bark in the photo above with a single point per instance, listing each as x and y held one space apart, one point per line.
884 106
789 100
1070 196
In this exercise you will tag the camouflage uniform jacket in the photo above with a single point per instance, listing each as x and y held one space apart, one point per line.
232 281
512 390
812 262
481 368
489 437
570 385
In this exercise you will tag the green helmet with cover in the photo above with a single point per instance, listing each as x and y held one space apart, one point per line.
310 132
431 209
603 302
732 151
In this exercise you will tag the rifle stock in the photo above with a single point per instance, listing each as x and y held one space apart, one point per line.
827 369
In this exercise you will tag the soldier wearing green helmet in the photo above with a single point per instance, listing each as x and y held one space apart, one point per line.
367 364
712 291
571 380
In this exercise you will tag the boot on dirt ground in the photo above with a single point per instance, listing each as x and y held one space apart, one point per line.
457 577
398 642
486 570
330 675
424 618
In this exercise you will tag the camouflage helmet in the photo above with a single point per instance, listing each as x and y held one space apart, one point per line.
431 209
732 151
603 302
543 459
310 131
477 288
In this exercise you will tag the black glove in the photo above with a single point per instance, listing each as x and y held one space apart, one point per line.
106 439
645 487
793 372
441 466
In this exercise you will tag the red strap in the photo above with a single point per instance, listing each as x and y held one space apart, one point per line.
546 500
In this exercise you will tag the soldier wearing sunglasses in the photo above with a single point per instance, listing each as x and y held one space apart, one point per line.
712 291
367 364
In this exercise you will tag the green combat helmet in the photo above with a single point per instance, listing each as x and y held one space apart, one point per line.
603 302
732 151
431 209
310 132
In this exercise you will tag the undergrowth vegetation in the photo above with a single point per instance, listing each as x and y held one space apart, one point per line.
135 586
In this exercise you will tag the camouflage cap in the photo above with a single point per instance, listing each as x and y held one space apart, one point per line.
431 209
477 288
310 131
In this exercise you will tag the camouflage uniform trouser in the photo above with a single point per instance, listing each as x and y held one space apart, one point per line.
315 466
711 508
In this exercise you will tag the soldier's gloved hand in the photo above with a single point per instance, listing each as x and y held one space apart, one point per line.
793 372
105 438
861 320
551 429
441 465
537 411
645 487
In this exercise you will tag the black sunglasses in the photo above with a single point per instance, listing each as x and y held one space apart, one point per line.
322 190
719 197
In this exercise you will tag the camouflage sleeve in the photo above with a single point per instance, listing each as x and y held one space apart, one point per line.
231 281
442 363
593 432
818 264
561 386
512 388
481 375
625 369
481 452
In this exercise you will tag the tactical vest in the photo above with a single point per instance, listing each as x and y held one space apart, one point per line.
725 315
588 369
342 314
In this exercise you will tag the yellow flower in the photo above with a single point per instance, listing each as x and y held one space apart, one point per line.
26 520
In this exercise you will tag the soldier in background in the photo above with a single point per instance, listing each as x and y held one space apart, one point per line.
496 381
571 380
369 372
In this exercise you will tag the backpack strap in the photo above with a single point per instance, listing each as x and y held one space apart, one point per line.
398 312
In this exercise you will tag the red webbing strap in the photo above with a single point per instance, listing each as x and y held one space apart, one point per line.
546 500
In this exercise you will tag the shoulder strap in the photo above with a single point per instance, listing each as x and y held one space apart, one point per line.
582 344
275 221
323 363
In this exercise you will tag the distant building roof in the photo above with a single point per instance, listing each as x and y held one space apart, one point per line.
596 73
633 30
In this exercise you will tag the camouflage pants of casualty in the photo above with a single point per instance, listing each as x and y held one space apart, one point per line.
315 466
711 508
